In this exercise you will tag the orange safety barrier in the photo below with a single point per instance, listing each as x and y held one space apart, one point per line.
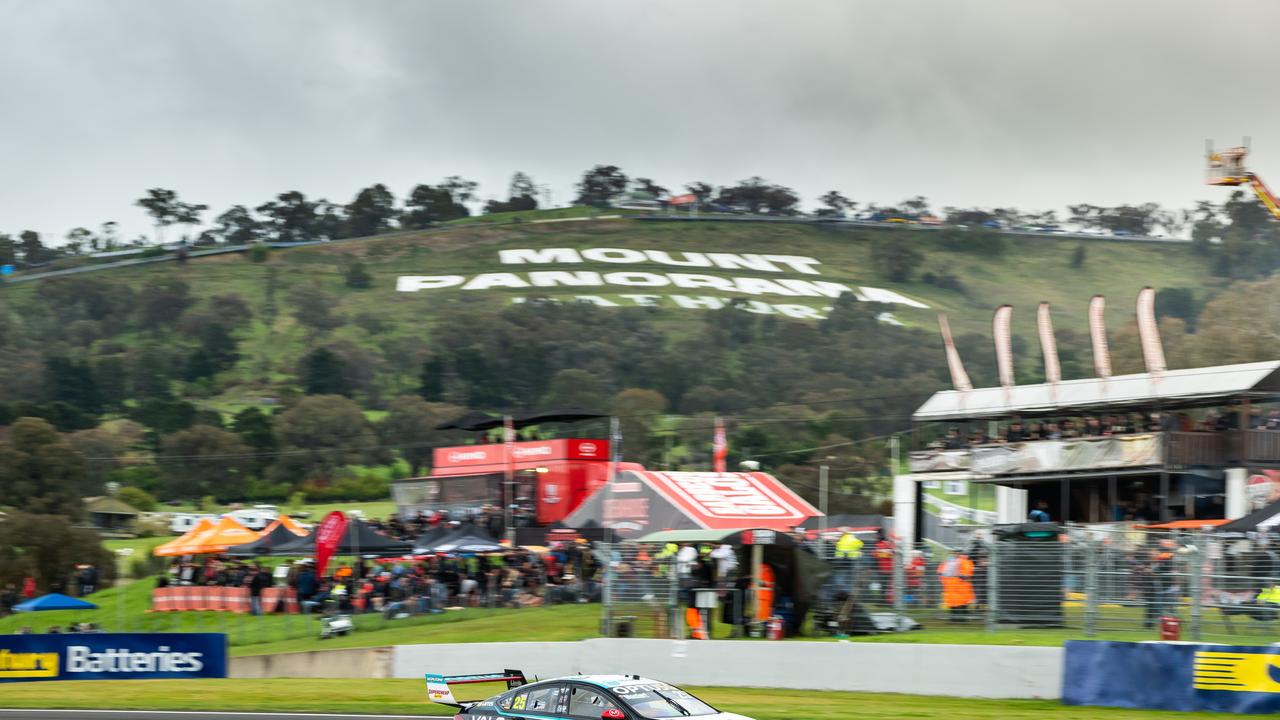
238 600
222 599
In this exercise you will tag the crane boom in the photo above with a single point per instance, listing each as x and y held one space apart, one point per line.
1264 194
1227 168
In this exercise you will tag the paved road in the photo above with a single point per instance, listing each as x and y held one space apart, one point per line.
183 715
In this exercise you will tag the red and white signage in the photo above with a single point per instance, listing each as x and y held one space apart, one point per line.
725 501
524 455
328 538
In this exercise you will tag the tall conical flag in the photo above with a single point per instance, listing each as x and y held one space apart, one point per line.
720 448
959 378
1149 332
1048 345
1004 344
1098 336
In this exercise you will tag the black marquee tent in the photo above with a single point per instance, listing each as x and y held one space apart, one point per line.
1266 519
360 539
278 537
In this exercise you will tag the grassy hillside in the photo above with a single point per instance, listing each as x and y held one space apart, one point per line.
1029 269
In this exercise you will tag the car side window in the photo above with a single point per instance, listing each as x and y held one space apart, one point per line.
586 703
541 699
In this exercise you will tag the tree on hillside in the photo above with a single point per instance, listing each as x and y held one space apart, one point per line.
78 241
372 211
649 187
758 196
1231 327
638 411
600 185
72 382
101 451
40 471
575 388
204 460
319 434
355 276
410 427
522 195
163 300
431 379
238 226
47 548
291 217
8 250
163 207
188 215
461 189
835 204
894 259
428 205
164 416
256 429
33 250
323 373
702 191
313 307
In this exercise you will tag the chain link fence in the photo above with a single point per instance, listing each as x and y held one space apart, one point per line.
1081 582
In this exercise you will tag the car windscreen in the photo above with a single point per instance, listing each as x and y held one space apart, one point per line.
660 700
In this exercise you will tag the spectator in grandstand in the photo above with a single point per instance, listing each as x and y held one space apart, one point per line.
1015 433
954 440
1093 427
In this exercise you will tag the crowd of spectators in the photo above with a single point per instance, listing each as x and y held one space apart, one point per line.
1094 426
520 577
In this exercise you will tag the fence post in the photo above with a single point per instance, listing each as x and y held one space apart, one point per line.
1197 584
899 581
993 583
606 622
1090 588
676 622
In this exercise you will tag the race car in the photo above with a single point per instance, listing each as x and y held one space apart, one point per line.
583 697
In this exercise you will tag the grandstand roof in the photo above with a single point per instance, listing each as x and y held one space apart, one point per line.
1170 390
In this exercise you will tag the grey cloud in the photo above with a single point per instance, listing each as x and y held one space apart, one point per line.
985 103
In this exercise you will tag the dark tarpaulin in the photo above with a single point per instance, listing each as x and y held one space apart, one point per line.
1265 519
263 546
478 421
360 539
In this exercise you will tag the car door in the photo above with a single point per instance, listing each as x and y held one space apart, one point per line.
586 703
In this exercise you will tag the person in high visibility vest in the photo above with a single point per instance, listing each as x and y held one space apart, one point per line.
957 587
765 592
849 546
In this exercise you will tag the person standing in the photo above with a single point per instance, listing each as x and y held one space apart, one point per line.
956 573
1040 514
258 581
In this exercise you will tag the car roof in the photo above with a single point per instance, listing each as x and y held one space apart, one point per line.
604 681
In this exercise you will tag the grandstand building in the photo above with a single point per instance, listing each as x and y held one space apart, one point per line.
1179 445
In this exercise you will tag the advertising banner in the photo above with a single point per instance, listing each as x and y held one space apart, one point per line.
112 656
1083 454
328 536
1166 676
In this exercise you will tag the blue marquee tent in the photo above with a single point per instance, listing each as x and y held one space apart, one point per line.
54 601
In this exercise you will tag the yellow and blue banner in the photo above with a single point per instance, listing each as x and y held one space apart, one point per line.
1172 676
112 656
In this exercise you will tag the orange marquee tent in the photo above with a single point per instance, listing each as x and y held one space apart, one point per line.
203 526
289 524
216 539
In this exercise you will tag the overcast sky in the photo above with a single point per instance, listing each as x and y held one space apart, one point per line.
987 103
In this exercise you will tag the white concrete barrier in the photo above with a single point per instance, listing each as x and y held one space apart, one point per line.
988 671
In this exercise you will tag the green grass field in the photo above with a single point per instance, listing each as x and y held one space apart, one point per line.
408 697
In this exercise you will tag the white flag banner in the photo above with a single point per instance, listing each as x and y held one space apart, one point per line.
1048 345
959 378
1000 330
1098 336
1149 332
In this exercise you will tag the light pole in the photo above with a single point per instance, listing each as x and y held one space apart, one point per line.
823 471
121 553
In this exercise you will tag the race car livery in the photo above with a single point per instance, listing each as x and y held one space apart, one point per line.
579 697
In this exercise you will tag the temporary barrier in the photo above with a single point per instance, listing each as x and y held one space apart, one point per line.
220 599
111 656
1172 676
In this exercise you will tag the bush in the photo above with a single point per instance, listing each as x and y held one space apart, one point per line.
208 503
893 258
145 566
1078 257
296 501
259 253
944 279
151 528
142 477
137 498
357 277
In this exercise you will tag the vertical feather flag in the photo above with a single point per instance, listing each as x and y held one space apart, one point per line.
720 448
1098 336
1149 332
1048 345
1004 344
959 378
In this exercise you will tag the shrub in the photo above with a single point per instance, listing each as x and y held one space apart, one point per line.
259 253
137 498
1078 256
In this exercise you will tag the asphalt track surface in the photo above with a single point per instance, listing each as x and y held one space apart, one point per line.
184 715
